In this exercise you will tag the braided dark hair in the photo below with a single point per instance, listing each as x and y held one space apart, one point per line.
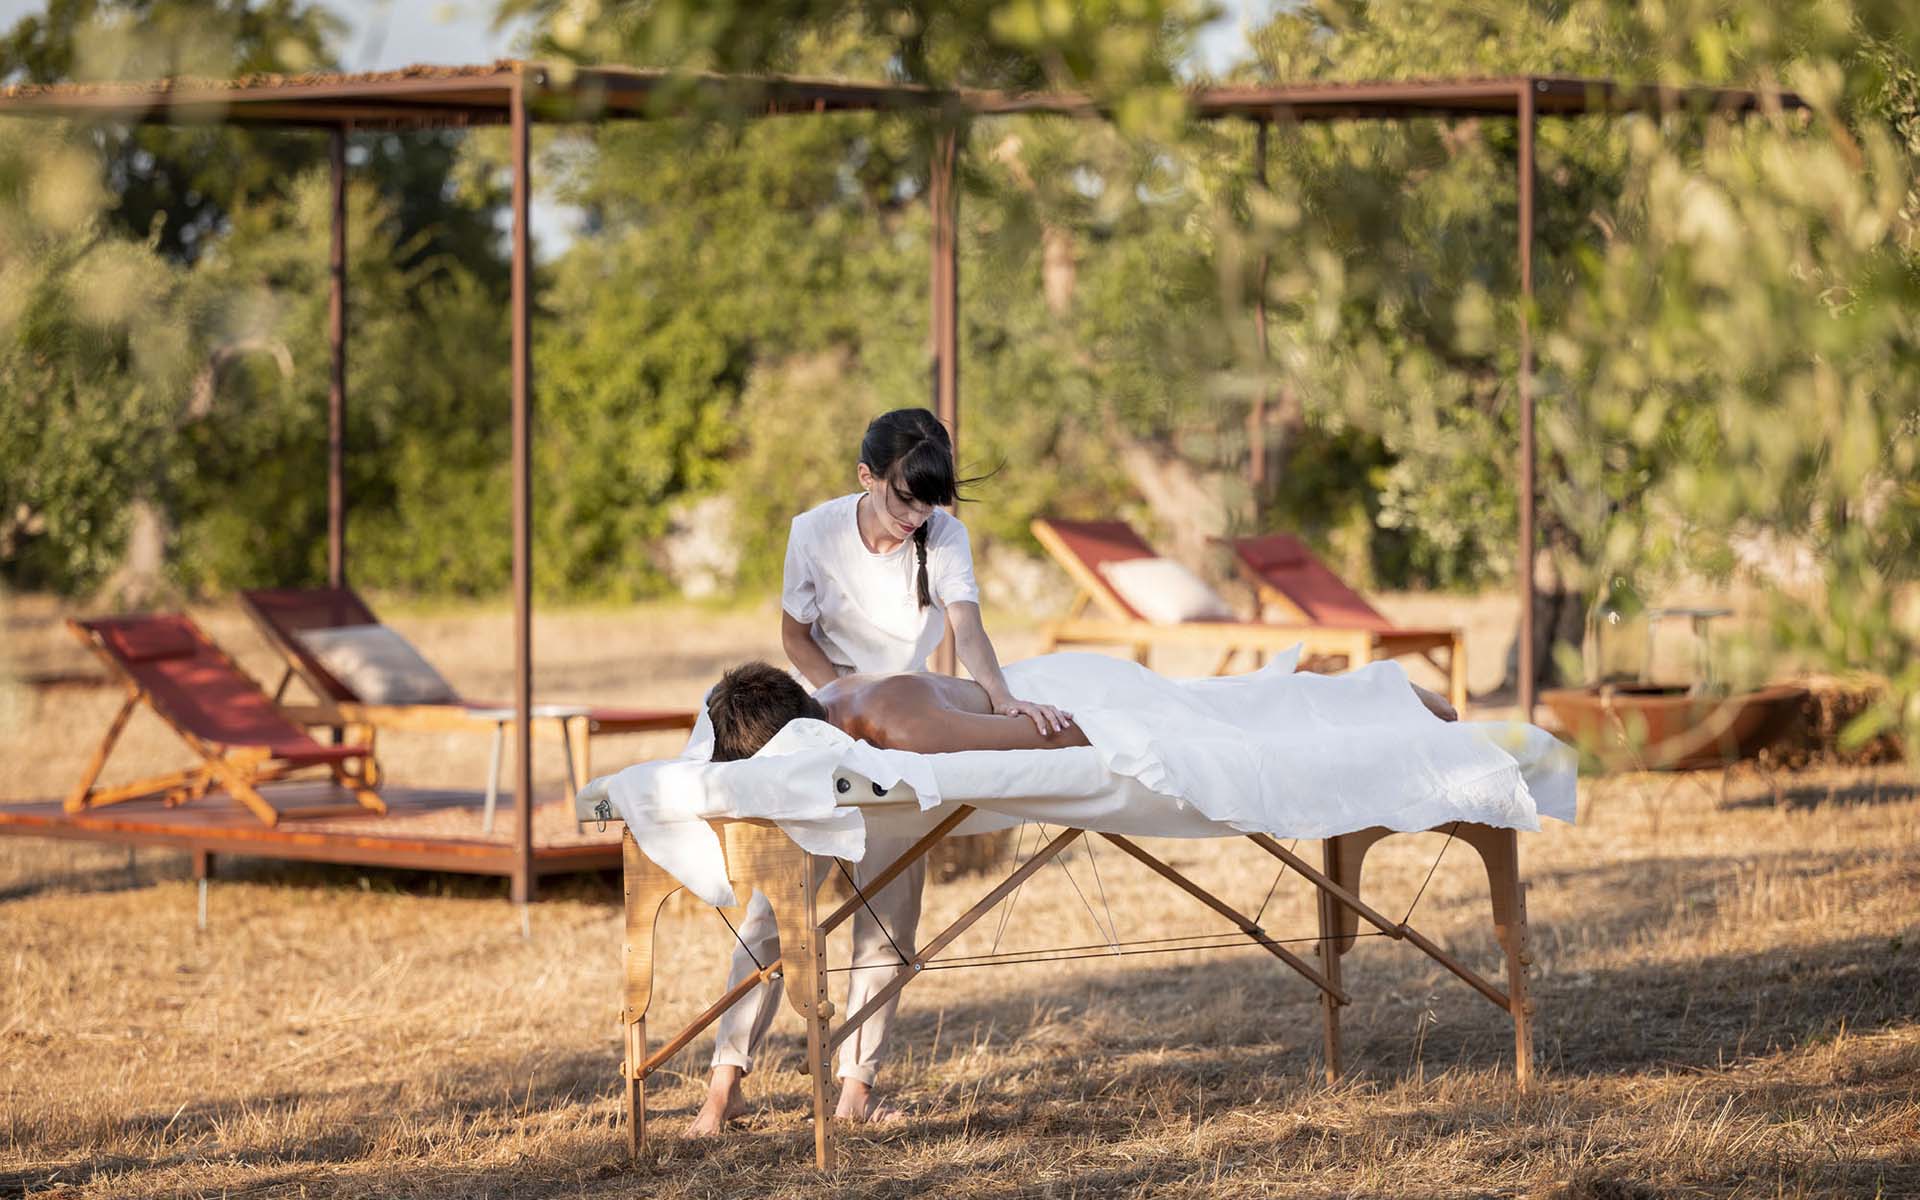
910 449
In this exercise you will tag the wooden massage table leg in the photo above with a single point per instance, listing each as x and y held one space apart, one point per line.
1499 850
647 888
1330 967
1341 859
644 881
761 856
812 976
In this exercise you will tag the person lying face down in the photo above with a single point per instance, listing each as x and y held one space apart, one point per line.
923 713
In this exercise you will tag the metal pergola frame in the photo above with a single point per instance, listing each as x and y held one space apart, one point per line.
518 94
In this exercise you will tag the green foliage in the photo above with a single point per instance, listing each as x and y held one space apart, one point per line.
229 422
1119 49
176 185
1724 314
1766 389
91 368
1395 265
427 399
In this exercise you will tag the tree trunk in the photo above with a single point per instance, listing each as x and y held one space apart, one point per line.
1559 618
1192 504
140 579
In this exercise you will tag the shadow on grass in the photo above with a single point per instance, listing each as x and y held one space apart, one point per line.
1092 1061
1132 1058
1859 793
140 869
153 866
587 887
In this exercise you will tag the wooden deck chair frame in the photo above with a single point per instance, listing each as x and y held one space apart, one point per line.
335 704
761 857
1120 625
240 770
1386 640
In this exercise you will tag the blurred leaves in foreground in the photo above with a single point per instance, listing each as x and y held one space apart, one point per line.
1724 317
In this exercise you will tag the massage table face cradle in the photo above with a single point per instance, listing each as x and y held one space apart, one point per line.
761 857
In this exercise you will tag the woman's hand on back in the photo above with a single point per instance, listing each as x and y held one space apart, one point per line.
1045 717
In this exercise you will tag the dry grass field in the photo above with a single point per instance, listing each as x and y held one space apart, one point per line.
1728 983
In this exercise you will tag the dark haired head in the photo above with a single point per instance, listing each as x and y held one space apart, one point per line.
910 450
750 704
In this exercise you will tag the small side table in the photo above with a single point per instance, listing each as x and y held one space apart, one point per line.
562 715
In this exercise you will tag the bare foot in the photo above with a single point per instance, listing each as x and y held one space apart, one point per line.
725 1104
858 1104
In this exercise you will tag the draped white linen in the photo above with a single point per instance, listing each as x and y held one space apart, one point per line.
1274 751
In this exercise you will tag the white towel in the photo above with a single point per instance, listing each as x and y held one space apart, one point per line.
1277 752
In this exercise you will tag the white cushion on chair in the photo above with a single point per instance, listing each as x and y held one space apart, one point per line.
1165 592
379 665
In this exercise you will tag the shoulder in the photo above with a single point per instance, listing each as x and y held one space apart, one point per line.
946 531
826 510
822 519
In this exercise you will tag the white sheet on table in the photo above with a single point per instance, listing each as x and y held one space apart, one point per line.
1273 751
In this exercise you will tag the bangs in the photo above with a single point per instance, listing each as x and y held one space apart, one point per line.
925 474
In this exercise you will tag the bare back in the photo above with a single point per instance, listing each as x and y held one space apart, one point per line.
931 714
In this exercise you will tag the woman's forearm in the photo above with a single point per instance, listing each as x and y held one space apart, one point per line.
975 651
805 654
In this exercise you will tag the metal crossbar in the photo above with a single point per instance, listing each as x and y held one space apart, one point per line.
1099 951
1203 941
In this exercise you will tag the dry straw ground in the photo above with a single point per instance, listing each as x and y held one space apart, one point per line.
1728 984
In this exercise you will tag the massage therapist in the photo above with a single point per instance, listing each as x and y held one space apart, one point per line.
873 581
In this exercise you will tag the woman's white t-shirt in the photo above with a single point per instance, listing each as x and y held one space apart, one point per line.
863 607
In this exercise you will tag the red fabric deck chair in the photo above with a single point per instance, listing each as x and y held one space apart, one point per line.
1291 578
283 614
1082 548
172 667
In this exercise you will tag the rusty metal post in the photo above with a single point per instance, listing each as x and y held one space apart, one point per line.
1257 419
945 203
944 199
337 388
1527 123
522 306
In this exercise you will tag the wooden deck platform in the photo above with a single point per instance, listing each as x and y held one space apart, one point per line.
423 829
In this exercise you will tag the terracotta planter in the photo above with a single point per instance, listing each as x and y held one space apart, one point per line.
1656 727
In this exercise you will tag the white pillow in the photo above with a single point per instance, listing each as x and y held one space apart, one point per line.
1165 592
378 665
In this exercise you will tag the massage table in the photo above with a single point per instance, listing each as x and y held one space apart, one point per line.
723 831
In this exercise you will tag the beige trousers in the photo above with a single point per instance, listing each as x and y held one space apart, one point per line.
743 1027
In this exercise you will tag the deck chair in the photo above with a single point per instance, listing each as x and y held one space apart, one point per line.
243 741
1083 547
1289 577
282 614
